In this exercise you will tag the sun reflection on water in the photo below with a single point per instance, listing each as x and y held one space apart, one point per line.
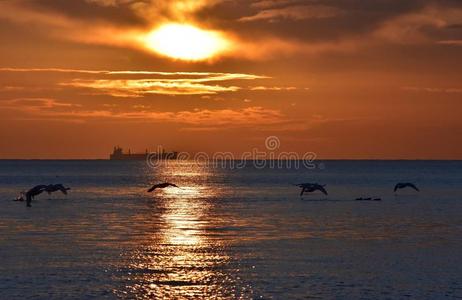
180 260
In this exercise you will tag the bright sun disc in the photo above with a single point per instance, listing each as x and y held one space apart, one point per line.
185 42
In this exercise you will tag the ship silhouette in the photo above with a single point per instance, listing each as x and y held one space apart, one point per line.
118 154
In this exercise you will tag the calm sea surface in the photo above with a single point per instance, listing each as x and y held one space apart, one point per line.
231 233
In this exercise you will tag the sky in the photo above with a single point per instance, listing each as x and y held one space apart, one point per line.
344 79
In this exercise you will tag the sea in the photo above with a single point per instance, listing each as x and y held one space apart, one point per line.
231 232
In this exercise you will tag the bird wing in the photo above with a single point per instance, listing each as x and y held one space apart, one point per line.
50 188
155 186
303 190
413 186
60 187
396 187
161 185
322 189
305 185
37 188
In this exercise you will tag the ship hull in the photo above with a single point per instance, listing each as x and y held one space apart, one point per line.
154 156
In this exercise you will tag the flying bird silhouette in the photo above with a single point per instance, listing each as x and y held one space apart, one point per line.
162 186
402 185
311 187
38 189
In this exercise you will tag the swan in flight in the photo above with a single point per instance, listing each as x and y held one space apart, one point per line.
161 186
311 187
402 185
38 189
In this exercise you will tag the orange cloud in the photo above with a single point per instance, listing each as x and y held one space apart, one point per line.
104 33
140 87
406 28
163 83
411 28
432 89
34 104
273 88
44 108
203 76
296 12
451 42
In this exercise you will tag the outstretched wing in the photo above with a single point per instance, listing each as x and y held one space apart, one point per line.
322 189
57 187
50 189
302 191
161 185
396 187
413 186
37 190
62 189
155 186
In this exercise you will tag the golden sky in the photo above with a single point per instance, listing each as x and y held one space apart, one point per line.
375 79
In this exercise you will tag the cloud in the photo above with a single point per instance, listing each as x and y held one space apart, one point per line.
423 26
273 47
140 87
44 108
298 12
273 88
337 26
207 76
55 23
152 82
34 102
264 4
343 27
200 117
105 2
451 42
178 10
451 90
69 27
247 116
34 106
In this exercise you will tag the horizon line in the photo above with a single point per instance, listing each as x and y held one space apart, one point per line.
250 159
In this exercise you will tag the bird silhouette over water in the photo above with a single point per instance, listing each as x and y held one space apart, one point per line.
162 186
402 185
38 189
311 187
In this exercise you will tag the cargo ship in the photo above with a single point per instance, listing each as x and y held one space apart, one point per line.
118 154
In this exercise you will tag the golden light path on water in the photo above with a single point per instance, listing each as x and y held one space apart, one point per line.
182 261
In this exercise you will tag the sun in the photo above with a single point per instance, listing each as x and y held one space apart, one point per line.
186 42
